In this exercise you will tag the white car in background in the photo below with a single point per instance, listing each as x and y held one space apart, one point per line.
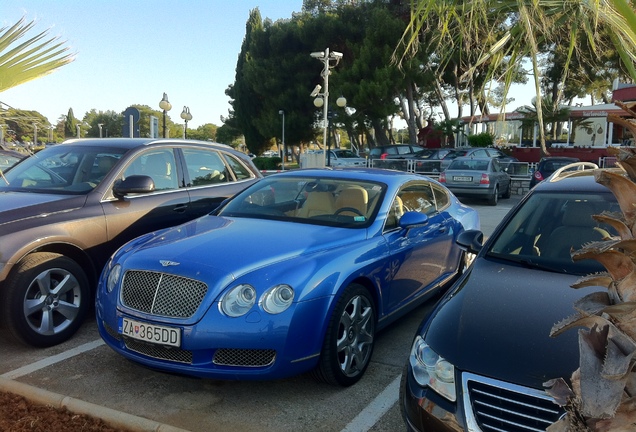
345 158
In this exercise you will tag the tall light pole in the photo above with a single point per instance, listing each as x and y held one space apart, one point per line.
99 125
281 112
186 116
326 58
165 106
78 131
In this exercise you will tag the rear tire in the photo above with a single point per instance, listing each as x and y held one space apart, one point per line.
47 296
350 338
494 198
508 192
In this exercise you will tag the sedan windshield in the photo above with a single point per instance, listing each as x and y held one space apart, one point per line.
548 226
324 201
62 169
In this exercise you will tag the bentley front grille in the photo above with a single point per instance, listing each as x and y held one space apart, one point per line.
496 406
244 357
162 294
159 351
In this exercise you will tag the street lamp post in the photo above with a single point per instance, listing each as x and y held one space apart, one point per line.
78 131
186 116
281 112
165 106
99 125
322 99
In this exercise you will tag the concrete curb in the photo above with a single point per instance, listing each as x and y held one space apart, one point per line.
110 416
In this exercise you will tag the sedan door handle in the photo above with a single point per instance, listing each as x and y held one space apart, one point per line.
180 208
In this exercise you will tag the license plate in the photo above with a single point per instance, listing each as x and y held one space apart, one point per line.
462 178
149 332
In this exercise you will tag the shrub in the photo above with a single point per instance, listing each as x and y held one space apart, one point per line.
267 163
481 140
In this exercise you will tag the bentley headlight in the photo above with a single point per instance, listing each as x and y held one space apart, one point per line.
113 278
238 301
277 299
431 370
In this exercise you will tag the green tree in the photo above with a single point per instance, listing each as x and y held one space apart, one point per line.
529 26
111 123
206 132
70 125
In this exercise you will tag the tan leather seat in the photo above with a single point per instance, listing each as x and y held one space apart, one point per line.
317 203
396 212
353 197
577 228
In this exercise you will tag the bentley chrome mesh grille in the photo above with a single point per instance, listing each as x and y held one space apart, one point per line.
159 351
244 357
162 294
496 406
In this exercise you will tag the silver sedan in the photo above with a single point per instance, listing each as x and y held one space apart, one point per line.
477 177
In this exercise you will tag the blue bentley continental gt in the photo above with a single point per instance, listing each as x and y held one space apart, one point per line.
296 273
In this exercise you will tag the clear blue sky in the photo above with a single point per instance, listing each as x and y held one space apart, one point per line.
132 51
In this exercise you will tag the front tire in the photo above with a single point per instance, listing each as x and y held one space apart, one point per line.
350 338
47 298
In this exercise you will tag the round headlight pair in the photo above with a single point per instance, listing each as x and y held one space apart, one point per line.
240 299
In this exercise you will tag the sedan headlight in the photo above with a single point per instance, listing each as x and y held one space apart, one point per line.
113 278
238 301
277 299
431 370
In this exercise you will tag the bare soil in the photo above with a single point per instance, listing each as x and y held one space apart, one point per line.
18 414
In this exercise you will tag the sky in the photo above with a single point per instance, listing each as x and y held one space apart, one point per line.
132 51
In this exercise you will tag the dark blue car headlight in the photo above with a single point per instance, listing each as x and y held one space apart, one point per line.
277 299
431 370
238 301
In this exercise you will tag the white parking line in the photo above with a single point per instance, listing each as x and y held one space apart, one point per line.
373 412
41 364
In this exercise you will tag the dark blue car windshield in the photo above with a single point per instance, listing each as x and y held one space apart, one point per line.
544 231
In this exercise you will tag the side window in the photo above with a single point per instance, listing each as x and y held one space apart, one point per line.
240 171
480 153
442 199
160 165
418 198
403 149
205 167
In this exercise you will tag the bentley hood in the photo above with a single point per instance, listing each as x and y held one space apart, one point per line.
228 248
497 324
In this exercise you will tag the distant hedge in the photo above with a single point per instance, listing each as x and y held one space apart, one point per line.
267 163
481 140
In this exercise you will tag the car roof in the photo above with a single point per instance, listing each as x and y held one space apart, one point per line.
129 143
573 181
371 174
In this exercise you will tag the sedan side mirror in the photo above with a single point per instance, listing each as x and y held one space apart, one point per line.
471 240
133 184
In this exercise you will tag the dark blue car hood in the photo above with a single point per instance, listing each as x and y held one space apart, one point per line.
497 324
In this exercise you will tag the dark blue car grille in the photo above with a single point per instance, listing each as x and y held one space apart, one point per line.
496 406
162 294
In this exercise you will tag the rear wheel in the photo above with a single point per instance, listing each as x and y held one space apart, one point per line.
47 298
350 338
494 198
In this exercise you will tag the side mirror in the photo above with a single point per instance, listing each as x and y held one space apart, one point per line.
412 218
471 240
133 184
